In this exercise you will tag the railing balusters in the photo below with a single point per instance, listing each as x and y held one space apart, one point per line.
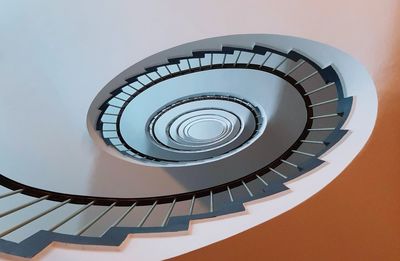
303 153
166 67
110 105
312 141
251 59
319 89
10 193
223 61
179 68
168 213
134 87
321 129
289 163
247 188
159 75
65 220
277 172
276 67
80 232
266 59
116 223
230 193
137 79
324 116
148 77
262 180
211 195
12 229
147 214
237 58
170 205
192 205
295 68
211 201
322 103
118 98
108 122
23 206
306 78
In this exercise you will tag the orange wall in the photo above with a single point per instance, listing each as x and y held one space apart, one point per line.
357 216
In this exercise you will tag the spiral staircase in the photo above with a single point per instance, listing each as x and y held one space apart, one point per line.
231 118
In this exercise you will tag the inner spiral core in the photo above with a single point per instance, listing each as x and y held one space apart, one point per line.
215 124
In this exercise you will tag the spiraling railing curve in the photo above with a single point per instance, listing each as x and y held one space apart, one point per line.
133 215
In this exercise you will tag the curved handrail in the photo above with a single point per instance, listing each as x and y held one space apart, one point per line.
115 235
